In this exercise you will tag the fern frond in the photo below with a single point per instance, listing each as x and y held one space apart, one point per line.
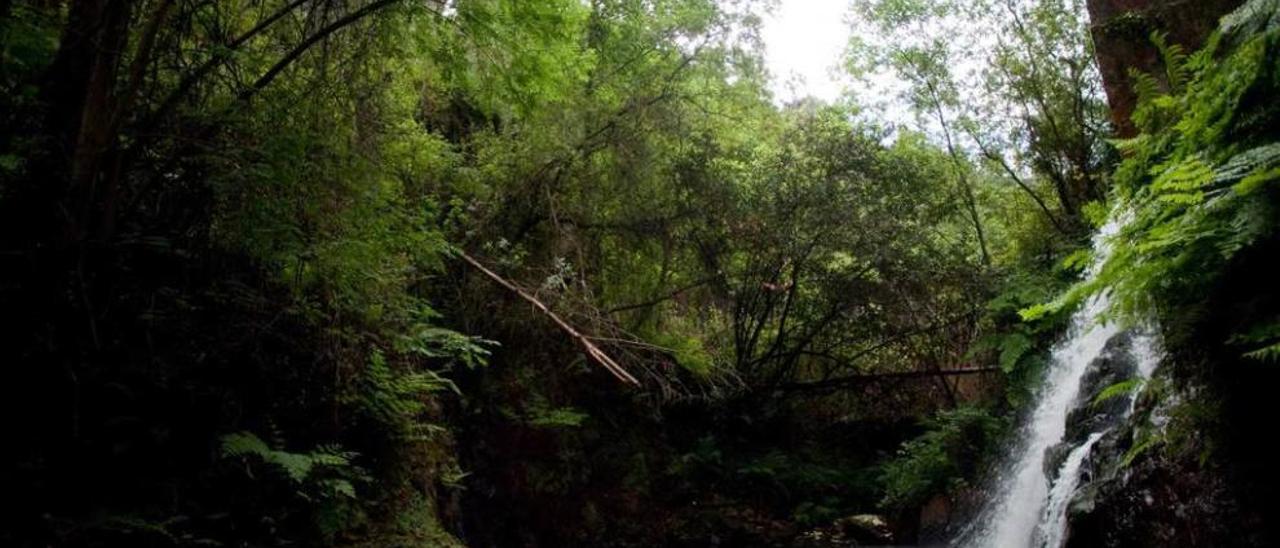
1122 388
1139 449
298 467
1174 58
1267 335
243 443
1265 354
1145 86
1189 175
1252 168
1012 348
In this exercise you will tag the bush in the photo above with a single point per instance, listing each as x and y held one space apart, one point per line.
944 458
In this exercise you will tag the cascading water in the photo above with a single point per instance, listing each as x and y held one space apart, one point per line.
1025 508
1053 524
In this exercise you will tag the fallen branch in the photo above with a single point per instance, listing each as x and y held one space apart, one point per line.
842 382
594 352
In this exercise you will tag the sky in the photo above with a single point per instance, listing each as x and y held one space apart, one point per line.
804 40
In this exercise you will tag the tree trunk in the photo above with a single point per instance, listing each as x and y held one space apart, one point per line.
81 86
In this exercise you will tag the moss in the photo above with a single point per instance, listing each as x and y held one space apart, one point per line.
1129 24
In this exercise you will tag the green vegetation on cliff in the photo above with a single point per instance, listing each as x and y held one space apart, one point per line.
503 272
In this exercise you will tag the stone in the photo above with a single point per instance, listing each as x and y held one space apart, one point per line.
866 529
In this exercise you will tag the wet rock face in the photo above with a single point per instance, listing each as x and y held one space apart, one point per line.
1116 364
935 519
1164 497
1161 498
1155 503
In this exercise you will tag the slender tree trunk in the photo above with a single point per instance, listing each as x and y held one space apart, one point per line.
962 178
81 86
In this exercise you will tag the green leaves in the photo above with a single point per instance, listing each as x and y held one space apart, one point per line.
1078 260
1263 342
1183 183
1175 61
299 468
395 399
1196 183
1122 388
947 455
557 417
1269 353
436 342
1253 168
518 57
323 481
1146 444
1012 348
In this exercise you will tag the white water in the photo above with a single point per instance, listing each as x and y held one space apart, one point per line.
1053 525
1024 509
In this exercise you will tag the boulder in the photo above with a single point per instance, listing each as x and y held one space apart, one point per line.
1115 364
866 529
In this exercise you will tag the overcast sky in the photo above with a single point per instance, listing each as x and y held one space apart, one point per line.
804 40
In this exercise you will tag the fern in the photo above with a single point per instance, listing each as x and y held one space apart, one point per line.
1139 448
1145 86
299 468
1122 388
1175 61
559 417
436 342
396 400
1188 175
1012 348
243 443
1193 182
1269 353
323 480
945 456
1265 341
1078 260
1250 170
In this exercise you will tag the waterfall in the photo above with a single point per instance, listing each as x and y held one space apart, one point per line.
1026 508
1053 524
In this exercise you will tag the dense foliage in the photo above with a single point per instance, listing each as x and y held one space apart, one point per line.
1195 192
500 272
1194 209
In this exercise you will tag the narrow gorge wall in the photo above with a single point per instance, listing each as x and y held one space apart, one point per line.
1121 34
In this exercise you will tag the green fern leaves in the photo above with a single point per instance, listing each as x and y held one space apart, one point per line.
1175 61
1122 388
1263 342
1198 182
300 468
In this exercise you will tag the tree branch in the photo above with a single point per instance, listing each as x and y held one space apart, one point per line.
854 380
312 40
219 56
996 157
591 349
670 295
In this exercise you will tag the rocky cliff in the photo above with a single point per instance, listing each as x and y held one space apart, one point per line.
1121 34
